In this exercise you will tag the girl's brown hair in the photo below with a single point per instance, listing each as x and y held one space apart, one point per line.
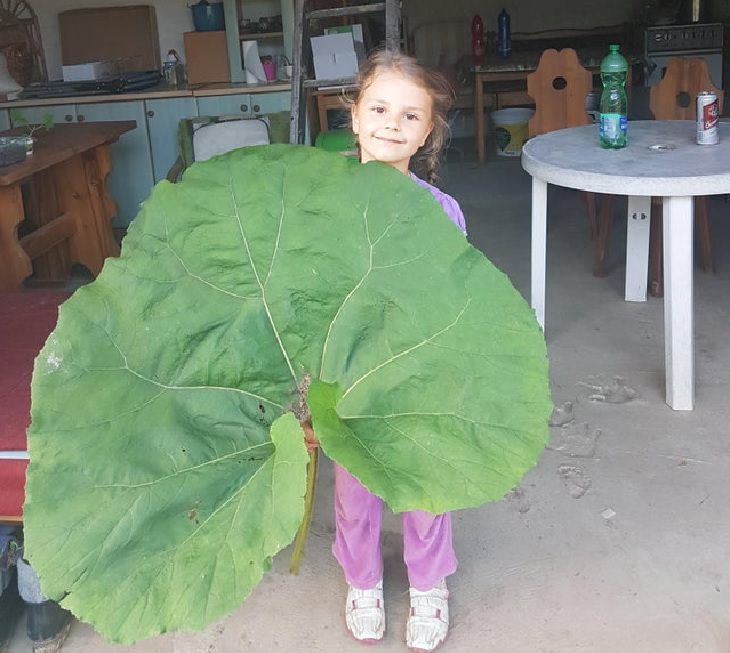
425 161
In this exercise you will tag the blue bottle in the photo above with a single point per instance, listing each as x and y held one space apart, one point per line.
504 34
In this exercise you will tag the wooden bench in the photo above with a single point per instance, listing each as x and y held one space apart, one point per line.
59 196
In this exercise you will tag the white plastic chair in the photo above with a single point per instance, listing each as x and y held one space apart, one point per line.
199 139
221 137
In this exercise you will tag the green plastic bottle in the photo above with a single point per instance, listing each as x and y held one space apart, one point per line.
614 106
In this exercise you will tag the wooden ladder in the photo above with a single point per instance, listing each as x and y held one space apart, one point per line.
302 67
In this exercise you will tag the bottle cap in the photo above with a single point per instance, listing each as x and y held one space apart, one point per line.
613 62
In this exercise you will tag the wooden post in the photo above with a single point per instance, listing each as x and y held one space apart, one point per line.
296 124
14 262
392 25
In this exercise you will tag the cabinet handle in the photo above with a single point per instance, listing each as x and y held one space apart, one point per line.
256 108
150 114
80 117
244 108
68 117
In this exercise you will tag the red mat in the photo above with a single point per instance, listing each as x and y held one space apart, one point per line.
26 319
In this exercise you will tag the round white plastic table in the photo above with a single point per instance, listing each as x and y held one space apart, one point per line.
662 159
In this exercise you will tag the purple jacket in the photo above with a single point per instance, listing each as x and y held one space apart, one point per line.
448 204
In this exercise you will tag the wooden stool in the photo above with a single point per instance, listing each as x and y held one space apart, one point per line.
326 100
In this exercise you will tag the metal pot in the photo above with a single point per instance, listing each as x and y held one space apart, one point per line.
208 16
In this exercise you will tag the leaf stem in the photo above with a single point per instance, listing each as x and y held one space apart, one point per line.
301 538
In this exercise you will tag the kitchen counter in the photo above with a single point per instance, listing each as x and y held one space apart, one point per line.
144 156
157 92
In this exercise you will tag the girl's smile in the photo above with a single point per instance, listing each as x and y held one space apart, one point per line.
392 119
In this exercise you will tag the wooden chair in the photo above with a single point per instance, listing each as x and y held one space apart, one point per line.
674 98
559 87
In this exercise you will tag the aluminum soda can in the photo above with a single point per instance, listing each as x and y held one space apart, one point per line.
708 117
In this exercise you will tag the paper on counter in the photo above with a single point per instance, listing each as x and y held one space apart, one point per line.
252 62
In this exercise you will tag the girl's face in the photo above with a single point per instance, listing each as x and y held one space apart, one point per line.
392 119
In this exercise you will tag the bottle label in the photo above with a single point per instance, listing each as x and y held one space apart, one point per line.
612 126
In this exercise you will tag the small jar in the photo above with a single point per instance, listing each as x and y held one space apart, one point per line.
173 70
28 141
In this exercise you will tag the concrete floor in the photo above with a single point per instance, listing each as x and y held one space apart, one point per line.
617 542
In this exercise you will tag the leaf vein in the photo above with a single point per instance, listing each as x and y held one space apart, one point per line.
278 233
352 292
190 273
407 351
262 289
185 470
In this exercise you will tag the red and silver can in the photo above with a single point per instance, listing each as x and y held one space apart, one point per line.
708 117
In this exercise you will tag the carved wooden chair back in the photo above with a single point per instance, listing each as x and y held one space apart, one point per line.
559 87
674 97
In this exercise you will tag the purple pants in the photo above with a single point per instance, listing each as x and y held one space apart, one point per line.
427 549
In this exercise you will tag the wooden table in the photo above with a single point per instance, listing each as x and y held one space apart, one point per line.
497 70
661 160
67 206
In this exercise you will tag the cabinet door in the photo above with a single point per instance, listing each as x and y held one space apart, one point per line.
262 103
163 117
4 120
36 115
225 105
131 178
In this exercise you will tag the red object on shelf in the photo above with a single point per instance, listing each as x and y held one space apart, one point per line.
477 37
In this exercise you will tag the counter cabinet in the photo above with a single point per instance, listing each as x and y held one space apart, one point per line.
143 156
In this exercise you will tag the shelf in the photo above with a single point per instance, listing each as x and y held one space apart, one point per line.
346 11
255 36
329 84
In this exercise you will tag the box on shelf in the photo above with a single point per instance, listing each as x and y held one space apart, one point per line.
206 57
93 70
356 31
335 56
127 35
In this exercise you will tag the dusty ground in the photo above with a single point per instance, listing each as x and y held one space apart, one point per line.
617 542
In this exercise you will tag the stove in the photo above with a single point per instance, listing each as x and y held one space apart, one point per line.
685 39
702 40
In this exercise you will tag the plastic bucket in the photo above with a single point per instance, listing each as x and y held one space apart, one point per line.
208 17
511 130
337 140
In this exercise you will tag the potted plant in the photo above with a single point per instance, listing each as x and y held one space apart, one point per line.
17 119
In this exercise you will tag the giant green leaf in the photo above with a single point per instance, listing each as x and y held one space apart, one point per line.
167 462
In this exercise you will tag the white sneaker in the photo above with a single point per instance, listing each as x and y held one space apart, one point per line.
428 622
365 614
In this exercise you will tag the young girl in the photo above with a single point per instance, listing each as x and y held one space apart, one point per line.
398 117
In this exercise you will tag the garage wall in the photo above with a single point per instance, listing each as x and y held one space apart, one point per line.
174 17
